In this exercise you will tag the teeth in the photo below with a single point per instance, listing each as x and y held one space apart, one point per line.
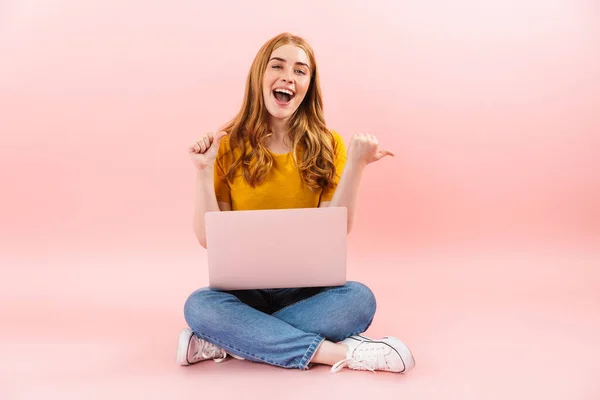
285 91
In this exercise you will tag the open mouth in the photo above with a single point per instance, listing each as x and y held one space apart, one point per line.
283 96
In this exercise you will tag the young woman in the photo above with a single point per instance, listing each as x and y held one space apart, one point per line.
278 153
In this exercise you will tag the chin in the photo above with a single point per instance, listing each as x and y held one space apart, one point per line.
279 112
281 115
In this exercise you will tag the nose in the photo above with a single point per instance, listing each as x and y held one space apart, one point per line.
287 77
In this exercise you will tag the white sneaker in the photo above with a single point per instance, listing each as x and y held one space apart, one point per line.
191 349
386 354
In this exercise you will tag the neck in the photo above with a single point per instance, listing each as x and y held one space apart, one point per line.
279 129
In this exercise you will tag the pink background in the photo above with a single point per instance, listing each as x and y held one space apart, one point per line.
491 107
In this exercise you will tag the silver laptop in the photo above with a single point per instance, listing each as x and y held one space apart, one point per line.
283 248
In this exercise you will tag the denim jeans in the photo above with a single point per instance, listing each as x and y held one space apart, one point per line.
281 327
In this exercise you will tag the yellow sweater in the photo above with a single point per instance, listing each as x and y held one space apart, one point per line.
282 187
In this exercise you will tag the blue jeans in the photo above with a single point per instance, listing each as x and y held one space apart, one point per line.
281 327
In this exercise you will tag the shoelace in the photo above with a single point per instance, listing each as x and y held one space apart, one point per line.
210 351
370 361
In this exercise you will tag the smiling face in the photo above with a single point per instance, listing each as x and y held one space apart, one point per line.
286 81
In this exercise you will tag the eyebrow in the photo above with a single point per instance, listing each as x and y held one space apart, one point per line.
283 60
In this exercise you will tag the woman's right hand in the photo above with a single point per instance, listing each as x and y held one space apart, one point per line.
203 152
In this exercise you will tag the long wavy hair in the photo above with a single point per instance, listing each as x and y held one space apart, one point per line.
312 143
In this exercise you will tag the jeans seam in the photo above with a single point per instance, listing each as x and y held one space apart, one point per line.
310 352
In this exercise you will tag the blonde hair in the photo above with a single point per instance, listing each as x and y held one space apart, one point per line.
307 129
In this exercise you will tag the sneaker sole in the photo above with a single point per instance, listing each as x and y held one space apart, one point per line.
405 354
182 346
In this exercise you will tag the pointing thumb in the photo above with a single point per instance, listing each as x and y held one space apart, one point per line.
382 153
218 136
216 141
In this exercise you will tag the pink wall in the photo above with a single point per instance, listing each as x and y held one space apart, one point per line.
493 111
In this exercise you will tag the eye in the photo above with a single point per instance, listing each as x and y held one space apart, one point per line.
275 66
301 72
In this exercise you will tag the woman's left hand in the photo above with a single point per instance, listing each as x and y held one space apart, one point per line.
364 149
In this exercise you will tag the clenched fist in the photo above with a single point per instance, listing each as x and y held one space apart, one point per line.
203 152
363 150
